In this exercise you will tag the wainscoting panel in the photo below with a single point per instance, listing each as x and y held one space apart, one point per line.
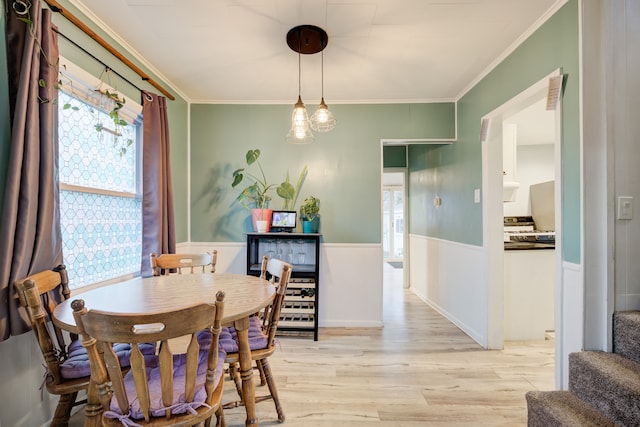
350 285
449 276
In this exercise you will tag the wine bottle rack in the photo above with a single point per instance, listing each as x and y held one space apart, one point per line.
299 313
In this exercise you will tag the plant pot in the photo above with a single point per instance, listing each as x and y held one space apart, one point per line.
261 226
261 215
311 226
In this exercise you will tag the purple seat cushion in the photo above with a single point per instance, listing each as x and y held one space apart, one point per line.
257 338
77 363
179 405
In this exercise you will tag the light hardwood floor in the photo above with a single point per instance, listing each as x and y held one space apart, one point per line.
418 370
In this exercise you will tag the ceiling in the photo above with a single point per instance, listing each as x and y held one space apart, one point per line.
535 124
235 51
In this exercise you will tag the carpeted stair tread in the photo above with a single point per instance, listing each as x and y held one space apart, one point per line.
609 382
562 409
626 334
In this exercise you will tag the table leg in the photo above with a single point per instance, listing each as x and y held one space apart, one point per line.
246 371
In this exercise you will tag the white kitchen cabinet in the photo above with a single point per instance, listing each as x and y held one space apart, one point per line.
529 284
509 162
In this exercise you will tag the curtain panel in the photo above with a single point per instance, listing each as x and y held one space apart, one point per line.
158 224
30 222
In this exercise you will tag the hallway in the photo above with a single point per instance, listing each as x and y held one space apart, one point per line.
419 370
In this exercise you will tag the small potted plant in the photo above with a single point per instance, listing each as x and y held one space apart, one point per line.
309 214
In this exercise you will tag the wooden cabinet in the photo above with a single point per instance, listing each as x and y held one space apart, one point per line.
302 250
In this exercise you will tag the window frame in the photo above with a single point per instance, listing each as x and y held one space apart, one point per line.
78 83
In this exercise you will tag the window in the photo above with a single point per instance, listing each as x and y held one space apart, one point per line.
100 197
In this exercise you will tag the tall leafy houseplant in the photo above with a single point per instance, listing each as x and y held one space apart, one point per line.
254 197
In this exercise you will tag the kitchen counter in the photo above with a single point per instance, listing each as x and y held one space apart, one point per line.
518 246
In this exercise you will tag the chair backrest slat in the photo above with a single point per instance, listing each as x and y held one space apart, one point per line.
164 264
114 371
279 273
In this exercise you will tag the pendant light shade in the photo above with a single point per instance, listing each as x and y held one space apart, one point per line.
323 120
300 132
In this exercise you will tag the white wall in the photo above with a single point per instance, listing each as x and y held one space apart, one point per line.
625 128
535 164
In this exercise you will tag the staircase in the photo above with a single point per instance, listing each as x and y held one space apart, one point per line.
604 388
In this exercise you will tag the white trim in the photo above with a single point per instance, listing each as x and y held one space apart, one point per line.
443 141
333 102
492 213
95 190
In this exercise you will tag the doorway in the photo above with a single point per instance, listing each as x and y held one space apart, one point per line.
493 211
393 221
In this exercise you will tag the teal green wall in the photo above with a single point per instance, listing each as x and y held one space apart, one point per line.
453 172
394 156
344 165
432 172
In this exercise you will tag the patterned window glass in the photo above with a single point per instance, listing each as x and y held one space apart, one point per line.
100 204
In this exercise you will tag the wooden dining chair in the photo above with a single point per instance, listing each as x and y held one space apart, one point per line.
65 376
183 263
163 389
262 332
67 363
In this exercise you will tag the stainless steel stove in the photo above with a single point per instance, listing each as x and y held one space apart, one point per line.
520 232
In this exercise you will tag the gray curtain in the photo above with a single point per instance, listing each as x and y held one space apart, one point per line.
30 222
158 227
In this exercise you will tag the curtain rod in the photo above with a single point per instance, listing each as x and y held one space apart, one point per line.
98 60
56 7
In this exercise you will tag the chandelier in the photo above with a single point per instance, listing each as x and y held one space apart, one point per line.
308 39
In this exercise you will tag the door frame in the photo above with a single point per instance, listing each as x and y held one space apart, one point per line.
492 212
405 237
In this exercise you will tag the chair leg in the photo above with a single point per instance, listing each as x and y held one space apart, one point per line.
234 374
63 410
219 419
220 422
263 379
272 387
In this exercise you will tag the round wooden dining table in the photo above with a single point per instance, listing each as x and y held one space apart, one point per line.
244 295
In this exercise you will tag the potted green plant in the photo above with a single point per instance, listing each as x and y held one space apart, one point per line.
309 214
256 196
